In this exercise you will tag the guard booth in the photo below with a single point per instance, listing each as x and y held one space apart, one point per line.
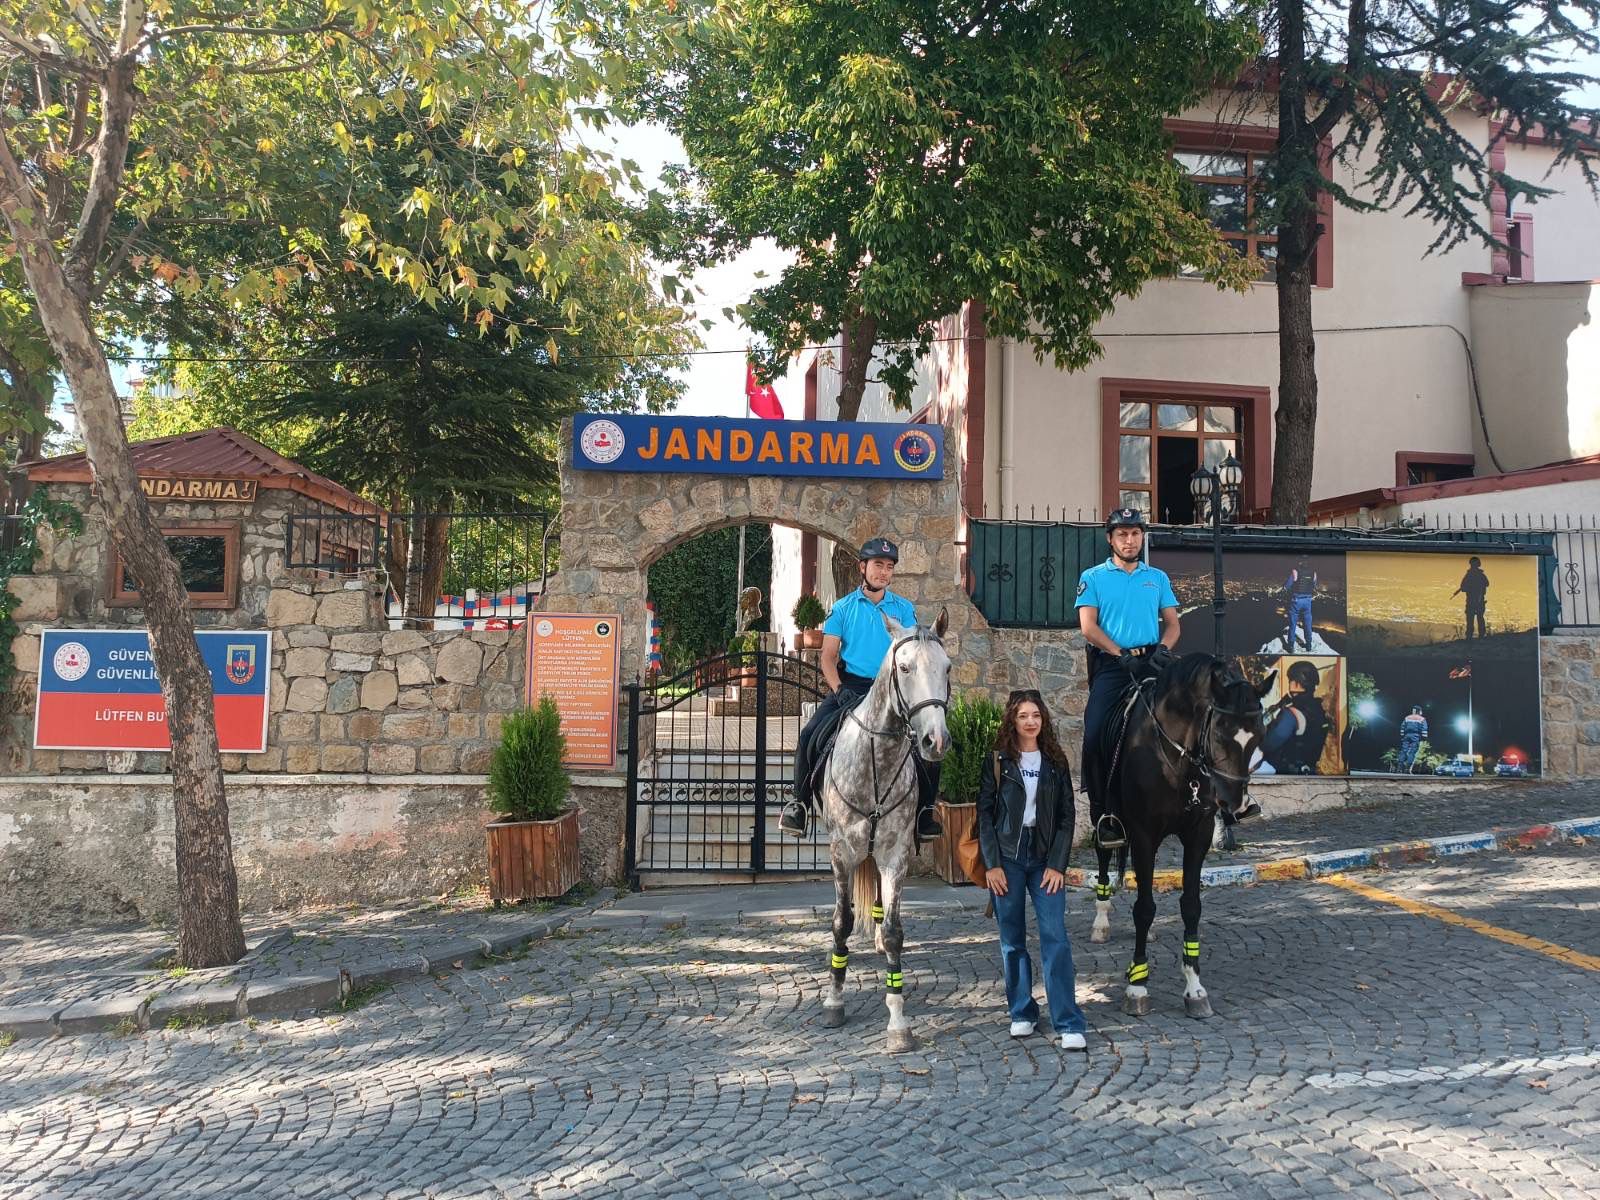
236 515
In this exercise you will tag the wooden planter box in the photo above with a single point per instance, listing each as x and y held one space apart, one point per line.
533 860
958 820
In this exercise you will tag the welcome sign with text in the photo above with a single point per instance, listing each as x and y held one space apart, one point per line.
725 446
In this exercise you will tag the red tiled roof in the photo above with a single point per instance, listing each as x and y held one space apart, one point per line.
1565 471
220 452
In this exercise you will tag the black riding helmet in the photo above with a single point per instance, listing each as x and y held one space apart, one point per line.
1124 518
878 547
1305 674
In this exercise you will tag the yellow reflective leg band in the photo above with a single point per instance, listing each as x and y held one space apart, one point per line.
1191 949
893 980
877 912
1138 972
1102 891
840 961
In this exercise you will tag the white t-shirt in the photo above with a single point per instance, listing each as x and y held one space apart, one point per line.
1030 761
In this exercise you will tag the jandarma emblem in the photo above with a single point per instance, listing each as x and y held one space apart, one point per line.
914 450
603 441
241 664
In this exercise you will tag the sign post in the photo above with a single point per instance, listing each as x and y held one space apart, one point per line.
98 690
575 658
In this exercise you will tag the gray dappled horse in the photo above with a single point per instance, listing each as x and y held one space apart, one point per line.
1183 759
869 793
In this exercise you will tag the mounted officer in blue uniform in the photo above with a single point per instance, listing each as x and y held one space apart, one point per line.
854 642
1129 618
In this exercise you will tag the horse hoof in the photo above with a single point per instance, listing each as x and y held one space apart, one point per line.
833 1018
1136 1006
901 1041
1197 1006
1099 936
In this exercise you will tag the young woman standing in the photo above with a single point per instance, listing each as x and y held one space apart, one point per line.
1025 816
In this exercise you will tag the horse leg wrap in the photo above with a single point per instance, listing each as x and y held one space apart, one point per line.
1138 972
1191 953
877 912
893 981
1103 891
838 962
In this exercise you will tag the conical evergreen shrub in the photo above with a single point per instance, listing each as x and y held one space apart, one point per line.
527 781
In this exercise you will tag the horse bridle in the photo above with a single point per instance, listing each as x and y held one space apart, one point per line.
1202 768
905 711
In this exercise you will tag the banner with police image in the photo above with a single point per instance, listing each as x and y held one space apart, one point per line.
1415 662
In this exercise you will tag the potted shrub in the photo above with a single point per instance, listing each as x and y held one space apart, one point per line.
973 721
742 649
533 843
808 616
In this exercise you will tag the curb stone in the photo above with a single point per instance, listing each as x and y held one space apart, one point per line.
280 995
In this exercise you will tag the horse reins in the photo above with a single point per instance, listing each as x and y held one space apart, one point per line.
905 711
1201 764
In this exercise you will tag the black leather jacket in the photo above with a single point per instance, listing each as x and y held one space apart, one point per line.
1000 812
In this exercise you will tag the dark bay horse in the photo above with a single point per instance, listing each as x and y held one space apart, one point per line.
1183 757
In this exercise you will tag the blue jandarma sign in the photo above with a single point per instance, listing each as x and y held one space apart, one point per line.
723 446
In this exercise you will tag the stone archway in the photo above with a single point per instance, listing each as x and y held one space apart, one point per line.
613 526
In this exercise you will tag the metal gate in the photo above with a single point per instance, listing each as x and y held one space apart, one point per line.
711 762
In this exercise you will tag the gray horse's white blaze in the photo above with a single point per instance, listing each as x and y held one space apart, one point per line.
869 798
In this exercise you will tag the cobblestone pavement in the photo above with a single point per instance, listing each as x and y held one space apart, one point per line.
1407 815
1358 1049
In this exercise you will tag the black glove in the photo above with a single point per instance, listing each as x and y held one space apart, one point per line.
1161 655
1130 664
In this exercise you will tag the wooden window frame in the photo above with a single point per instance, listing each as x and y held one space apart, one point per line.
1404 460
229 531
1254 434
1519 237
1203 136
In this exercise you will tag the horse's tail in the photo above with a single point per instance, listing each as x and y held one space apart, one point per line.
865 896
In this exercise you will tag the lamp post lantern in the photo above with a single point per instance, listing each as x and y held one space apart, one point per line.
1216 497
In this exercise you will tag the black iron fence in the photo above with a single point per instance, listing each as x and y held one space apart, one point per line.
489 564
1023 573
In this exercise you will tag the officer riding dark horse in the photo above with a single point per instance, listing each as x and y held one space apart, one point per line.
854 641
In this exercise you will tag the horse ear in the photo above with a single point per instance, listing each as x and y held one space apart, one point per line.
943 623
1265 685
894 627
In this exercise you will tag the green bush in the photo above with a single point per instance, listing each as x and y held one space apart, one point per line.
973 721
808 612
527 781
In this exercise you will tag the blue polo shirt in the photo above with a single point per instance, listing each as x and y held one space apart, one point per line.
1129 603
858 623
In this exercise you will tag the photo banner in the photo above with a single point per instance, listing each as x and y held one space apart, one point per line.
725 446
98 690
1380 662
575 658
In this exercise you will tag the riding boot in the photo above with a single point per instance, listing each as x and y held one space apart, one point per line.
928 826
795 818
1109 833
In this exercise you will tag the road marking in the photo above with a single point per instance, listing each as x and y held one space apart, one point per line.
1492 1069
1572 958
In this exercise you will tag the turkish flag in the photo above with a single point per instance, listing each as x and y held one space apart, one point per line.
763 398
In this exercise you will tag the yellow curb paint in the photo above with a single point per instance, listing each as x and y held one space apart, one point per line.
1166 881
1420 908
1288 868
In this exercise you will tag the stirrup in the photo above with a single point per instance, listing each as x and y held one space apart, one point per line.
928 826
1109 833
793 819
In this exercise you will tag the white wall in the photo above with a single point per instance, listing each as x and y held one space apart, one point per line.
1566 226
785 583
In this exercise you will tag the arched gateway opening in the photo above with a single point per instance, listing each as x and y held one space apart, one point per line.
710 760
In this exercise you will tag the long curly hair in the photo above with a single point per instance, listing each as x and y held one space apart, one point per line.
1006 740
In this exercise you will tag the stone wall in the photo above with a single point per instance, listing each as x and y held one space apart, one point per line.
90 849
1571 693
348 695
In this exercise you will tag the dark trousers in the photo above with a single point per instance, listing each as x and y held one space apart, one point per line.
1475 621
805 760
1107 686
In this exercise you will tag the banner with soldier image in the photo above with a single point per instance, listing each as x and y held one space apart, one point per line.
1416 663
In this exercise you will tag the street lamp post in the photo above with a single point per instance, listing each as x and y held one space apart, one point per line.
1216 494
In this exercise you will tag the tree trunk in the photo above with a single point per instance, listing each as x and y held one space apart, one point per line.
1296 423
436 557
860 336
415 608
209 933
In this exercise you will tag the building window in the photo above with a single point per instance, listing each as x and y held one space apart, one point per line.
1228 180
1412 467
208 560
1519 237
1157 433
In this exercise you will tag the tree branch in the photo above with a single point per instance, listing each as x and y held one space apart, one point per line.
50 58
157 35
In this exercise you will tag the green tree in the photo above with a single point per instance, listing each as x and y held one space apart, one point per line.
694 588
913 156
153 112
1386 88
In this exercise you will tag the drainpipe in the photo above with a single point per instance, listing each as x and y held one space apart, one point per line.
1008 494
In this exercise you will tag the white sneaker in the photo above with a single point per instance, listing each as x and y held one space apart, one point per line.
1022 1028
1073 1041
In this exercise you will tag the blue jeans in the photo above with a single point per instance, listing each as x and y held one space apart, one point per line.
1050 911
1299 618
